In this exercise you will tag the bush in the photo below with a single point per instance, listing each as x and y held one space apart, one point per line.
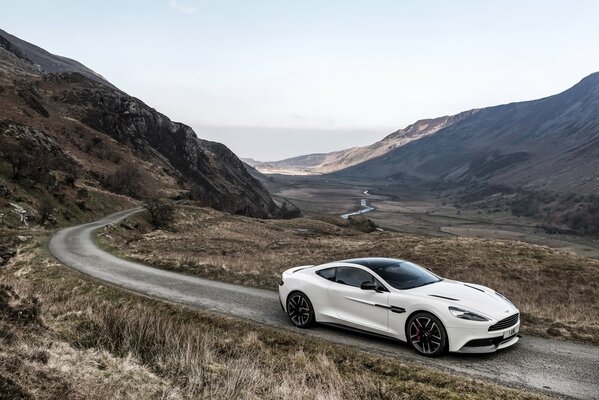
287 212
45 214
162 212
69 180
362 224
82 194
127 180
17 308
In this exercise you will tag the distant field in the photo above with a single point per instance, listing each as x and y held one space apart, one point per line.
557 291
414 208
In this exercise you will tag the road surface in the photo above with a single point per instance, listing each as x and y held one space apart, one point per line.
554 367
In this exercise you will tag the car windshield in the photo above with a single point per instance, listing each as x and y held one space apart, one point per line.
405 275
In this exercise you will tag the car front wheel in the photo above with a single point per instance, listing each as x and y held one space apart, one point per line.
426 334
299 309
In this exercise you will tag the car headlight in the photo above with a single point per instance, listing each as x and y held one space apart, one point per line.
467 314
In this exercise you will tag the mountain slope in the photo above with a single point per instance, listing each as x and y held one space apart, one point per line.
330 162
60 128
548 144
44 61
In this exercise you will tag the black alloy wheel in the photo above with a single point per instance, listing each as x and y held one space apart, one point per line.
299 309
426 334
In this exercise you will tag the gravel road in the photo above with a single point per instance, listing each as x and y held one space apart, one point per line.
568 370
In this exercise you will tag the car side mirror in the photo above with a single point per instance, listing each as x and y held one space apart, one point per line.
368 286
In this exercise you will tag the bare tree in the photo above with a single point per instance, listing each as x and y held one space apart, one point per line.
34 165
161 211
127 180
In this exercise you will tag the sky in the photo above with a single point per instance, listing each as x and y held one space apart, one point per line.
277 78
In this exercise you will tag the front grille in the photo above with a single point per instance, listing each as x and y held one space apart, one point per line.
505 323
484 342
496 341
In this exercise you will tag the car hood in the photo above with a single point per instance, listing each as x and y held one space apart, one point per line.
468 295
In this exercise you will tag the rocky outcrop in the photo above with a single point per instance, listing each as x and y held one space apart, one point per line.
58 118
223 180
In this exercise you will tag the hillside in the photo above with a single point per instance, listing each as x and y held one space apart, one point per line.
551 144
67 135
323 163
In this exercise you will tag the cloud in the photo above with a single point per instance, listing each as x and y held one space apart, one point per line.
175 5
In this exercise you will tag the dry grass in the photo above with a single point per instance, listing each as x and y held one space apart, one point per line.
36 363
557 292
93 341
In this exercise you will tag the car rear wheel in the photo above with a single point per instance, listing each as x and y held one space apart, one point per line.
426 334
300 310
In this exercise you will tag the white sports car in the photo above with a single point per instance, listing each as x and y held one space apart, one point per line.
402 300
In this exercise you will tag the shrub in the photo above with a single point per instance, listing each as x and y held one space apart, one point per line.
69 180
362 224
45 214
161 212
127 180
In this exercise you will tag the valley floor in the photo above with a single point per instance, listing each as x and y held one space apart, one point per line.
416 208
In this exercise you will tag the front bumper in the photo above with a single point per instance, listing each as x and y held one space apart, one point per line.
492 346
476 340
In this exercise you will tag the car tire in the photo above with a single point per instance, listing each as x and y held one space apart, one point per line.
426 334
300 310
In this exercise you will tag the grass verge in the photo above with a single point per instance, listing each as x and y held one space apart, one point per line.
83 339
556 291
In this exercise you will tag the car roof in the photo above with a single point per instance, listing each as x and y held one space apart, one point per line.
373 262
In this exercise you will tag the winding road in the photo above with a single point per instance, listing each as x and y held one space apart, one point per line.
568 370
365 208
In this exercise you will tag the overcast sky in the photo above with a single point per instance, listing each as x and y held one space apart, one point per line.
278 78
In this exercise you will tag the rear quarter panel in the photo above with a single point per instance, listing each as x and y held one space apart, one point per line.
308 282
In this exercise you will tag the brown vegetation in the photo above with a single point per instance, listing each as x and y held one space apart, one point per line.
161 212
567 213
557 292
127 179
96 342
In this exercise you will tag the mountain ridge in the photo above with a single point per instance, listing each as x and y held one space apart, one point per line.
544 144
515 144
45 61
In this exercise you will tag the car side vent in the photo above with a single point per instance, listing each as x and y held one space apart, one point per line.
475 288
443 297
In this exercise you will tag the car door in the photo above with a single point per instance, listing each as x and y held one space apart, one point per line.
365 309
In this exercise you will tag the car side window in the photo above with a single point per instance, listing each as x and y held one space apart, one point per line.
327 273
352 276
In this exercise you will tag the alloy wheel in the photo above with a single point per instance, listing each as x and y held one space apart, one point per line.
299 310
426 335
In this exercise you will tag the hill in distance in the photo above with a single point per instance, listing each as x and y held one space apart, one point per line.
322 163
551 144
547 144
